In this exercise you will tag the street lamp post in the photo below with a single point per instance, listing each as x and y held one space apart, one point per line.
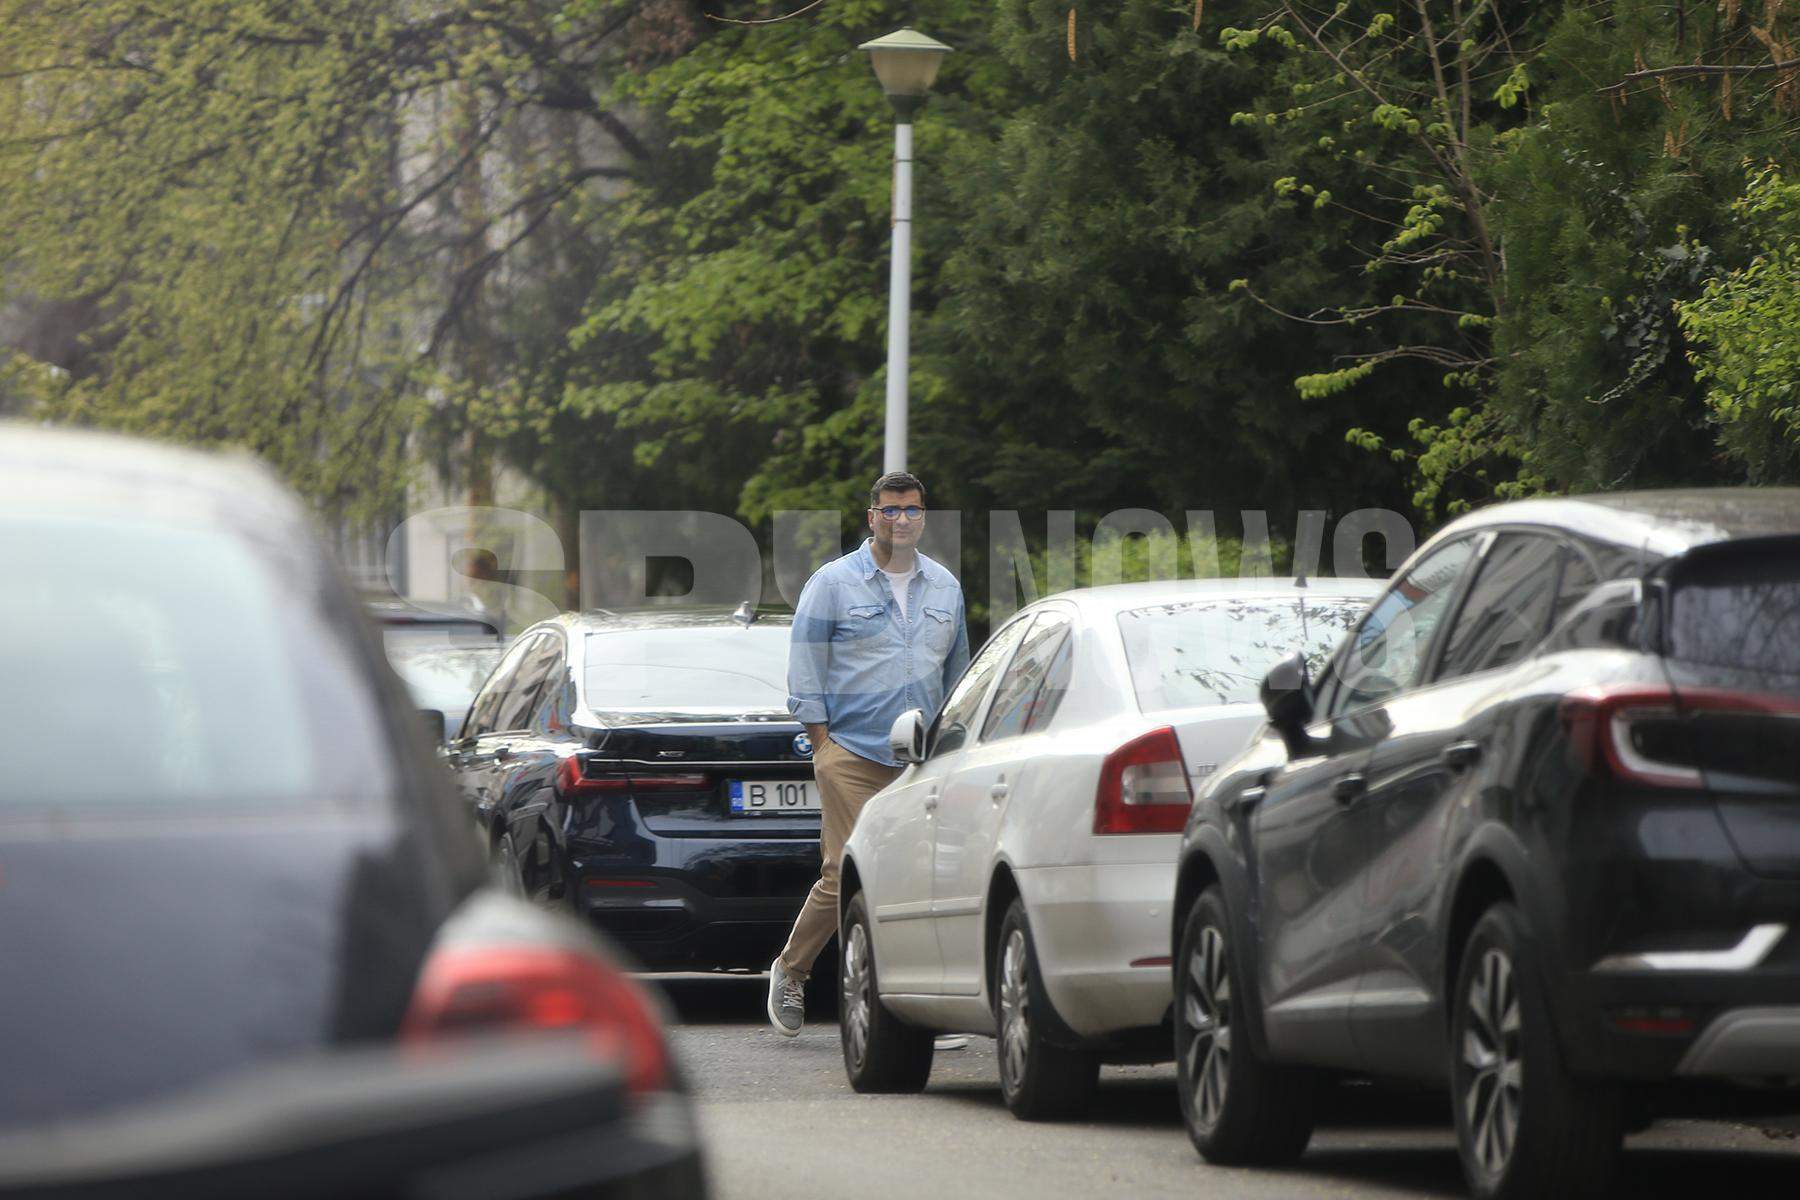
907 64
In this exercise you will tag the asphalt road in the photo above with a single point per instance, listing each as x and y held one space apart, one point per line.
781 1124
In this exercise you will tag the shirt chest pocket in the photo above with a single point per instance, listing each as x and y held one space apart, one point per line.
937 628
859 621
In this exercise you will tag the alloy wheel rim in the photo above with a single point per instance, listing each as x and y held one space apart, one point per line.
1206 1011
856 994
1492 1062
1015 1014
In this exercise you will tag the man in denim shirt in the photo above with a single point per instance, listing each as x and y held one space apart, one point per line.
876 633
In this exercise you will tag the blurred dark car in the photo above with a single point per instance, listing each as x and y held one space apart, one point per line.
245 946
1534 833
643 771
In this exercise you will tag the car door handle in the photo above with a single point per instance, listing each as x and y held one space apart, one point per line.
503 753
1461 755
931 801
998 792
1349 789
1249 798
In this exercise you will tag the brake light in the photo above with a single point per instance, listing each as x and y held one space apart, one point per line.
493 989
1144 787
574 778
1646 734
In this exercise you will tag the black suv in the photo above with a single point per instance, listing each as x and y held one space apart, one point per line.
1534 834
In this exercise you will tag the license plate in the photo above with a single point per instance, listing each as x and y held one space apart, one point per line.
763 797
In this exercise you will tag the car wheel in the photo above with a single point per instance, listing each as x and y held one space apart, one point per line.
1040 1081
505 867
1524 1126
1239 1109
881 1052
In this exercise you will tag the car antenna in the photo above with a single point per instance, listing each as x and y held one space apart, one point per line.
745 614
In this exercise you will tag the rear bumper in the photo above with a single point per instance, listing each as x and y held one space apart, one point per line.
1746 1043
699 903
1654 1026
1090 925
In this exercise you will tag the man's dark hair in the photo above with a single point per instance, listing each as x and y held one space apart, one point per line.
895 481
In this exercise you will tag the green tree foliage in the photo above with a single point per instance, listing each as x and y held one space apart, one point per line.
1250 254
289 217
1086 315
1745 331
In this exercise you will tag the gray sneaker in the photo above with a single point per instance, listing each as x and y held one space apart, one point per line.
787 1001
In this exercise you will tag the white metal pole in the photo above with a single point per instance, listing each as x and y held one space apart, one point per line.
899 301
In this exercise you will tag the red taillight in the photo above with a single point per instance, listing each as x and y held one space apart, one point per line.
1144 787
1644 733
496 989
575 779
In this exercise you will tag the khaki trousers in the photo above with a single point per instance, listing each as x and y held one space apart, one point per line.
846 781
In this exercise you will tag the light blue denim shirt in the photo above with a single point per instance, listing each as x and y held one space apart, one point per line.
856 664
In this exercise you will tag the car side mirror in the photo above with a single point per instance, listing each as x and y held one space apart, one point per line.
434 723
1286 695
906 739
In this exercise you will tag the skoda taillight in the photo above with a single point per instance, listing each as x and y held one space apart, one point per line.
1144 787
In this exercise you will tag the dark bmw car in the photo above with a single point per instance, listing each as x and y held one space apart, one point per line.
643 770
245 942
1533 834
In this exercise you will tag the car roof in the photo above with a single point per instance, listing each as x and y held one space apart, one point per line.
65 471
1108 599
1666 523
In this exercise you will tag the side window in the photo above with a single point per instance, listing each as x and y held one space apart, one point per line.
1386 651
1606 618
551 711
1577 583
499 684
951 732
1508 608
1019 687
1042 709
516 700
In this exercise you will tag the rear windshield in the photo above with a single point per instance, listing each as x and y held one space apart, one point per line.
694 669
1217 651
1741 612
151 665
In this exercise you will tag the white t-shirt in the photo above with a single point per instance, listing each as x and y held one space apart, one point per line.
900 584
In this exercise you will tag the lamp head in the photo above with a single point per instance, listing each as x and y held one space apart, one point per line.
907 64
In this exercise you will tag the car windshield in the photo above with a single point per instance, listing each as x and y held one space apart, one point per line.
1217 651
705 669
163 666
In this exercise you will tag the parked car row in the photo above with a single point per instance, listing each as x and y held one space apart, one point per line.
1529 832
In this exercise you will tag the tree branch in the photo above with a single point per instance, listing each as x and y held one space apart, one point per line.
1790 64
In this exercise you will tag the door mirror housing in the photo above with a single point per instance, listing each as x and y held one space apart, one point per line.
906 739
1287 697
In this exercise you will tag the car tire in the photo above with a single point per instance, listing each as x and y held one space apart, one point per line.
881 1052
1239 1109
505 867
1039 1080
1524 1126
